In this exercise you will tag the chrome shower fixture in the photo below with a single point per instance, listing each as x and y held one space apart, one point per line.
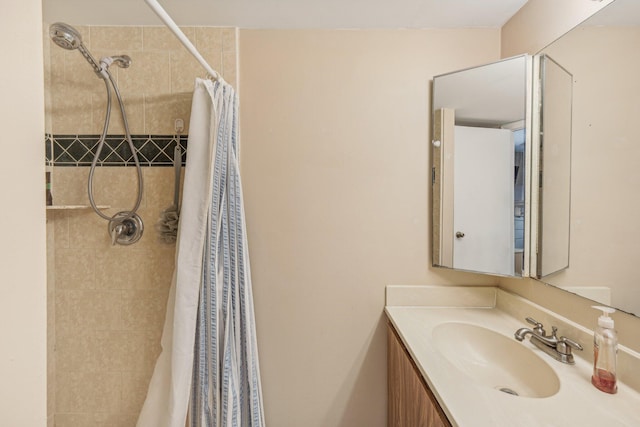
67 37
122 61
124 227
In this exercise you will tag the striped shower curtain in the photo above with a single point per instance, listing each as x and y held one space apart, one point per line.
208 371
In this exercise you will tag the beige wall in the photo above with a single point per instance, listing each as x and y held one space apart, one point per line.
336 171
22 254
107 303
540 22
605 176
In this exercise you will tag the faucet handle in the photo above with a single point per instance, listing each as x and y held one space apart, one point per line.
539 328
565 345
533 322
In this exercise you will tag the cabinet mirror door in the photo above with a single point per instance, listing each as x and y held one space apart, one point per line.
551 185
480 169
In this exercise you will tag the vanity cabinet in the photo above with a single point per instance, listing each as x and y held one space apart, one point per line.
410 401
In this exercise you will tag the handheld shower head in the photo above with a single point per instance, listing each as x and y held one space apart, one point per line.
65 36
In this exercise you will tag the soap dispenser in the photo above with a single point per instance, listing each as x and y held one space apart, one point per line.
605 348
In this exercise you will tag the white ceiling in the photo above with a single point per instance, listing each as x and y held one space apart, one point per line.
290 13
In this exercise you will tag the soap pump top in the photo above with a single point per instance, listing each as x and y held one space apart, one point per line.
604 320
605 348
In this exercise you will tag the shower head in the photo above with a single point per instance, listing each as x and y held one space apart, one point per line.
65 36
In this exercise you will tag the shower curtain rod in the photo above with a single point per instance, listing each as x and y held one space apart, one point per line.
170 23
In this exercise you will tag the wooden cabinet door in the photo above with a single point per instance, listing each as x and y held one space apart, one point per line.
410 402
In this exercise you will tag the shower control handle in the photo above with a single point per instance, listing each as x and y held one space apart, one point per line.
459 234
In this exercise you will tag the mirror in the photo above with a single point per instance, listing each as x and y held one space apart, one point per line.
603 57
551 158
479 176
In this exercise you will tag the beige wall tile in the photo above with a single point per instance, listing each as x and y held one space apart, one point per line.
134 107
89 392
184 69
141 350
119 268
75 268
76 352
182 108
74 420
144 310
117 40
96 420
51 295
110 354
209 38
69 186
209 44
71 112
130 268
60 228
56 61
79 75
117 187
124 420
87 230
87 310
161 111
150 72
162 39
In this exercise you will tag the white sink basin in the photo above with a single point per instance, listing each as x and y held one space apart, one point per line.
495 361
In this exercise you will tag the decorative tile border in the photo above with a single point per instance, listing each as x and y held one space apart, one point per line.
79 150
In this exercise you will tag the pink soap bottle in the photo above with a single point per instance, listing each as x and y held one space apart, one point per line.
605 349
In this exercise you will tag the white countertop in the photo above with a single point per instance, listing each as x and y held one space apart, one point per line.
470 404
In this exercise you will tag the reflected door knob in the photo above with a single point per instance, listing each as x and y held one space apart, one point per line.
459 234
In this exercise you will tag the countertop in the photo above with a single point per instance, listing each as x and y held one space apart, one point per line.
471 404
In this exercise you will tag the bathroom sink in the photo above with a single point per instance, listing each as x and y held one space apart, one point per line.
495 360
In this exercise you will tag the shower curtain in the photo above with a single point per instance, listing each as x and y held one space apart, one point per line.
208 372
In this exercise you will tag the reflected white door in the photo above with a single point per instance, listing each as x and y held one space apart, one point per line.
483 200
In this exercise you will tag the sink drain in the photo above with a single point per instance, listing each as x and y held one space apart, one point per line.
507 390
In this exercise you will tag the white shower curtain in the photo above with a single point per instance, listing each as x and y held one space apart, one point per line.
208 370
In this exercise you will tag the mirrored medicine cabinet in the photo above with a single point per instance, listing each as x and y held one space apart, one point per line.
501 167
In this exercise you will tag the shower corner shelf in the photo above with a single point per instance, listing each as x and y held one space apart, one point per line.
74 207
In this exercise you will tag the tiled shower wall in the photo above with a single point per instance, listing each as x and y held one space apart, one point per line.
107 303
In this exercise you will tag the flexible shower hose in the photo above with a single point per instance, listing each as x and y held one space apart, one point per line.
99 150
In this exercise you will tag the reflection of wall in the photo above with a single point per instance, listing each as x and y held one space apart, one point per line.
107 303
336 168
516 39
605 157
540 22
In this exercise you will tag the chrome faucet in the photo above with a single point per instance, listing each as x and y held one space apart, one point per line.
558 348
